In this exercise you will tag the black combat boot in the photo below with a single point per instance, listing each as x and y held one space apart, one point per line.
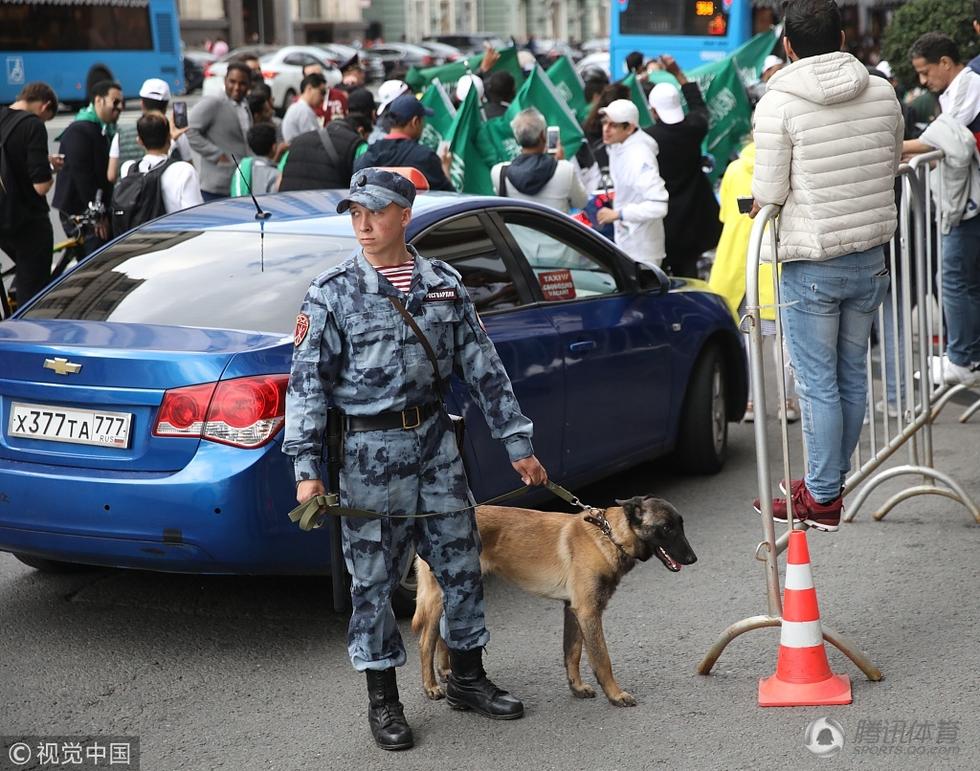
470 688
385 713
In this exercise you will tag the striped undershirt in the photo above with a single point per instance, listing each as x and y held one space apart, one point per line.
400 276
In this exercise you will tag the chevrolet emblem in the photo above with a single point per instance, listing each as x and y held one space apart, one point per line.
62 366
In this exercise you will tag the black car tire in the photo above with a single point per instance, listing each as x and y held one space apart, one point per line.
53 566
288 98
403 597
702 438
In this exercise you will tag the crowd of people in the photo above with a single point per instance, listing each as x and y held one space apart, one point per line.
664 212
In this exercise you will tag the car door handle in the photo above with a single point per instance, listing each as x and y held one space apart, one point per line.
582 346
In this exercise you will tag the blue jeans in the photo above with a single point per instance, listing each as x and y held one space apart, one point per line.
829 309
961 292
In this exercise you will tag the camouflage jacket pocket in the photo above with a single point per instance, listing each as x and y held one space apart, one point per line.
375 341
439 321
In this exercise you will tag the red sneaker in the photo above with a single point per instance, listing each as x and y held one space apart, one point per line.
779 504
820 516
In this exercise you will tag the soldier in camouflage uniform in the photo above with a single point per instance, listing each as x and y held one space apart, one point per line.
354 350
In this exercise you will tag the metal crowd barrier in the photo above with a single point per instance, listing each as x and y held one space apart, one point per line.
911 347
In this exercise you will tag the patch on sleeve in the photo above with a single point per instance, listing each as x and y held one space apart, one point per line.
440 296
302 327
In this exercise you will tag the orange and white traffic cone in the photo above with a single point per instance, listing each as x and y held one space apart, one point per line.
803 675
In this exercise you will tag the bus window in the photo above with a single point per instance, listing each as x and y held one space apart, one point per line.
674 17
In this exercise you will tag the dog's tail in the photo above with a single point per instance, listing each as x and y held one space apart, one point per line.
428 600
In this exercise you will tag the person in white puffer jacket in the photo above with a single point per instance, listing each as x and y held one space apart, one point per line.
641 195
828 144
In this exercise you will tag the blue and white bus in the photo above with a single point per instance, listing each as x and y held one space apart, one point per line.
694 32
73 44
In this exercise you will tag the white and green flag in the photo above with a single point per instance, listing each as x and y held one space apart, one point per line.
435 127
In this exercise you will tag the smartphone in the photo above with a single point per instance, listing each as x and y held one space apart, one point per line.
745 204
552 136
180 115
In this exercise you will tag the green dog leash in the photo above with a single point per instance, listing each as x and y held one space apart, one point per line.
310 515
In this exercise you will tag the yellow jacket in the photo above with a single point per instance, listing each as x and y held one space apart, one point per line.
728 272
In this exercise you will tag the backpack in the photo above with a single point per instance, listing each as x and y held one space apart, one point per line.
8 191
138 197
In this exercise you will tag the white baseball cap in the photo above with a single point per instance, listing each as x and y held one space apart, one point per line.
666 100
154 88
621 111
466 83
389 91
771 61
884 68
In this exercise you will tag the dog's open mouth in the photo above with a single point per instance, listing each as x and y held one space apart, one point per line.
669 562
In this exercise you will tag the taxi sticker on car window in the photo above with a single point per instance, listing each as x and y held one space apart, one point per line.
557 284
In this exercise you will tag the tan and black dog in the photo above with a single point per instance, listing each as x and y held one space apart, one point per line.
563 557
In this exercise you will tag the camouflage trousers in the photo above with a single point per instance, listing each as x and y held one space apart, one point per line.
409 472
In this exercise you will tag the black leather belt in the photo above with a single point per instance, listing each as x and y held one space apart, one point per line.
387 421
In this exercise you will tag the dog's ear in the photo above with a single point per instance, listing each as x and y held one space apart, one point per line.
632 507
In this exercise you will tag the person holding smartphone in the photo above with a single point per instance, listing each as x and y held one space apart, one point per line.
154 97
540 173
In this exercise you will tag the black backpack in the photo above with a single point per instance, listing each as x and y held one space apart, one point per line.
138 197
8 185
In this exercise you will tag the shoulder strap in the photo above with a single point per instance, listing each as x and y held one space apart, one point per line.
21 115
422 339
329 146
502 182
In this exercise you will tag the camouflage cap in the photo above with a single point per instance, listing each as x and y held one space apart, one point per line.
375 188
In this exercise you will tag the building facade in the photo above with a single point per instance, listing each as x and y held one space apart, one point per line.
566 20
276 22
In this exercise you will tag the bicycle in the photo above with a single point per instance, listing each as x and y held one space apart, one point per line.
70 250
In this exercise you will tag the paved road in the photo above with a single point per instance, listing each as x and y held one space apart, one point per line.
251 673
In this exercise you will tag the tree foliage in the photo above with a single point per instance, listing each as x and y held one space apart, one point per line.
954 17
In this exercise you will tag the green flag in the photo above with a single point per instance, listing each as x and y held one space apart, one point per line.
562 73
435 127
639 99
750 55
496 141
418 79
469 171
730 114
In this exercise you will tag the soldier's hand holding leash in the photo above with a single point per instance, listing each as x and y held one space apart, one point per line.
531 471
309 488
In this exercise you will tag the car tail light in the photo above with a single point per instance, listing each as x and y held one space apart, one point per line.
427 61
269 74
243 412
184 410
207 71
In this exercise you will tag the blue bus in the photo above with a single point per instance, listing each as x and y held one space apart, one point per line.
73 44
694 32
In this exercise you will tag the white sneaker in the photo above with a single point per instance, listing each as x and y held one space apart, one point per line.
792 411
892 408
944 371
749 416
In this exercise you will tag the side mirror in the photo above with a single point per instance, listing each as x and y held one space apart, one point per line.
649 277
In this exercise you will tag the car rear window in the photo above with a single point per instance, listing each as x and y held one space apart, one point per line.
213 278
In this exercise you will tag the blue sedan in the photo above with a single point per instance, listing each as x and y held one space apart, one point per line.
141 396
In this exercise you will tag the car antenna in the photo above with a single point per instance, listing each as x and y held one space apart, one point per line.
259 213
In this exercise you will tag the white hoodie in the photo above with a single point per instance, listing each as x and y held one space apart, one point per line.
828 145
641 197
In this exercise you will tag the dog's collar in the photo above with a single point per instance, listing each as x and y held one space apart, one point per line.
598 518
